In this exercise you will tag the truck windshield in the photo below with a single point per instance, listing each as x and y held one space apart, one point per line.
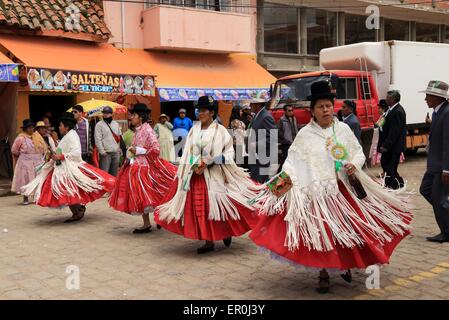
294 90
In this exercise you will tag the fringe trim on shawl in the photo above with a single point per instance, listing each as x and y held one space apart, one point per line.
310 210
66 179
239 188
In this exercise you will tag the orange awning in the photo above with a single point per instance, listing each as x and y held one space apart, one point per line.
75 57
186 76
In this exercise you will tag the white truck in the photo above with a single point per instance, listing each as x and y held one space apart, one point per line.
400 65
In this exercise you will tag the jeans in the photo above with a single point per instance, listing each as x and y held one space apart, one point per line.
110 162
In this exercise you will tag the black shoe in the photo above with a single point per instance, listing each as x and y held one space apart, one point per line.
204 249
323 285
145 230
227 241
439 238
72 219
159 227
347 276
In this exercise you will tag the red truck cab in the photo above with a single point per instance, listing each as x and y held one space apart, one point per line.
347 84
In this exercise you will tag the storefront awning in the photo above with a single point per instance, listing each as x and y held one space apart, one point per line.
185 76
9 71
74 66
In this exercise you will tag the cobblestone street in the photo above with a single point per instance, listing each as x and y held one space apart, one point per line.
36 247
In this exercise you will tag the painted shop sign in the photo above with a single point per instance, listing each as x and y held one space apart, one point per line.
59 80
9 73
192 94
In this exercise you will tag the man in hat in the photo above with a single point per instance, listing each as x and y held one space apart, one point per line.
435 183
107 140
288 129
84 132
392 140
259 141
43 130
247 115
163 131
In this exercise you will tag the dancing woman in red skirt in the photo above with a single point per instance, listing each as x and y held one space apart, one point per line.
66 180
209 199
333 216
144 178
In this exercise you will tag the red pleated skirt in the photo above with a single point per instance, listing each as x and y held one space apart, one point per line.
197 225
48 199
271 232
138 186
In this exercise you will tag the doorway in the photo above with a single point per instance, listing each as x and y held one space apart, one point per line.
54 104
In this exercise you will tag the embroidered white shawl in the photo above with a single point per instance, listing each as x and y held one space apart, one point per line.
315 201
67 177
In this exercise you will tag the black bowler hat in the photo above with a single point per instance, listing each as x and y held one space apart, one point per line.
140 107
67 116
206 102
320 90
27 123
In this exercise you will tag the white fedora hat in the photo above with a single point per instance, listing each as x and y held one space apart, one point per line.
437 88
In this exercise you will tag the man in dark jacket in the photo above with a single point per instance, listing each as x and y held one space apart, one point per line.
260 137
349 116
392 140
288 129
435 183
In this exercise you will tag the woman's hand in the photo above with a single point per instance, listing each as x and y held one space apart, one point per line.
350 169
200 169
132 150
57 157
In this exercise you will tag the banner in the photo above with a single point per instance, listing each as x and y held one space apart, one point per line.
59 80
192 94
9 73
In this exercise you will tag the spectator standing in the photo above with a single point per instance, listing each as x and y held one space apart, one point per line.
164 134
82 128
349 116
288 129
107 140
435 183
392 140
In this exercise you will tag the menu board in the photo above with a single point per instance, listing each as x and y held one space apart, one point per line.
192 94
63 80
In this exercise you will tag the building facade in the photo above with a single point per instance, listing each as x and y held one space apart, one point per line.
290 34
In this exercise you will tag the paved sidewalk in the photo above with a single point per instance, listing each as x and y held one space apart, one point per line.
36 248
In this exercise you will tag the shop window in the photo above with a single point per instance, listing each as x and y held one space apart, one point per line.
397 30
426 32
445 38
347 88
280 28
356 30
321 30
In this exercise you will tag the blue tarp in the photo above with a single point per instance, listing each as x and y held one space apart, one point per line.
192 94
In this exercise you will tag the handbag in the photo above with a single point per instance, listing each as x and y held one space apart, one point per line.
280 184
119 140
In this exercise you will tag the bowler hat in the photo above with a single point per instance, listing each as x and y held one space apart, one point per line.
206 102
140 107
27 123
320 90
67 116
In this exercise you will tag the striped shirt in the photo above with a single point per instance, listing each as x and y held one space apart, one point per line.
82 132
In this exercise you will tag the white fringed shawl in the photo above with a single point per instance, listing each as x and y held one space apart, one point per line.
225 182
315 201
67 178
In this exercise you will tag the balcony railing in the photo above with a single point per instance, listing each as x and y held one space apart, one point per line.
238 6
